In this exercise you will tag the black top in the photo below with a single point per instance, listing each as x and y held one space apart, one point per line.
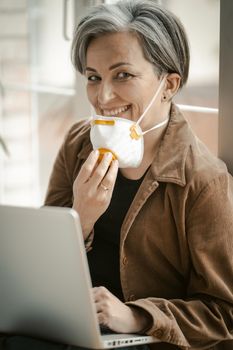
103 258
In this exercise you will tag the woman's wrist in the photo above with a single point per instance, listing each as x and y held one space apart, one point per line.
87 227
142 319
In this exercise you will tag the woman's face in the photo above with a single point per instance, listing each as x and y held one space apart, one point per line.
120 81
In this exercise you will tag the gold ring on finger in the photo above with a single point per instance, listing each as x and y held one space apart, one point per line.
105 188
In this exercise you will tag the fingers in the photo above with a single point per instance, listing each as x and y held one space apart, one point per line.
91 196
102 299
99 293
101 296
111 312
110 178
88 167
101 170
95 173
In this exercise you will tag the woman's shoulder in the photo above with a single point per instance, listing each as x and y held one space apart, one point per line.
183 158
78 131
77 137
76 145
206 175
202 164
197 159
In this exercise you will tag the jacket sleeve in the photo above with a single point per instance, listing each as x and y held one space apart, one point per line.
59 191
67 165
205 317
65 169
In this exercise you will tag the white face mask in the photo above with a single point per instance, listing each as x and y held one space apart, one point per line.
122 137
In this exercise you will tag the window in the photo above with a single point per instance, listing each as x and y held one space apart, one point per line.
41 95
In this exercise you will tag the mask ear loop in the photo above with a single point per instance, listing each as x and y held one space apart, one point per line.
93 114
133 128
156 126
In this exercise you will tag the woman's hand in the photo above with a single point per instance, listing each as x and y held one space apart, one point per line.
117 316
93 189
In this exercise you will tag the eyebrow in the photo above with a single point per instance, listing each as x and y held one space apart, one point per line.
111 67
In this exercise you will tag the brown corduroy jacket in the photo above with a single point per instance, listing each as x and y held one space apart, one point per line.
176 245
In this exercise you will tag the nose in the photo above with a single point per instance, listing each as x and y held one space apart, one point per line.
105 93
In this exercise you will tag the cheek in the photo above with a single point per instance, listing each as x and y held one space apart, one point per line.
127 96
133 93
91 94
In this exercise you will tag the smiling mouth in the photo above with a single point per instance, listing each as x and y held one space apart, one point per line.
115 111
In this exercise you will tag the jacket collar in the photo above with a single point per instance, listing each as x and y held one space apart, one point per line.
169 162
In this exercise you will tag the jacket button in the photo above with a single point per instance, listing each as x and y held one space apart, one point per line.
158 333
124 260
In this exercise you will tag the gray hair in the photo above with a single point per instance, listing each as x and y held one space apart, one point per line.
160 32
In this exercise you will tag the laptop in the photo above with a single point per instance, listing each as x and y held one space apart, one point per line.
45 281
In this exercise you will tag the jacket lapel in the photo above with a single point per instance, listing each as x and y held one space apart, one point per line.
168 166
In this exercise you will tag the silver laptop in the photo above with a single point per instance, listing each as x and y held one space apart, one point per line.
45 285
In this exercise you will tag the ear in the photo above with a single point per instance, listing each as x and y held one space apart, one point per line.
172 86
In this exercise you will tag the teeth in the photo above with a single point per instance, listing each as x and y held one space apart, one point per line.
115 111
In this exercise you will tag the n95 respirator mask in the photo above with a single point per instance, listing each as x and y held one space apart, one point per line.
112 134
122 137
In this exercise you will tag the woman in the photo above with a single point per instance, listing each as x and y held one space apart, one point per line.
159 236
157 219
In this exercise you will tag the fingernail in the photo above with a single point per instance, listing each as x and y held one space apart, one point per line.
109 155
96 152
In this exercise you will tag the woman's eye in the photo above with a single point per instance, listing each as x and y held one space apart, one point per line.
124 75
93 78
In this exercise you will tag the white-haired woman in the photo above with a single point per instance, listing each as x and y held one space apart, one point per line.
156 208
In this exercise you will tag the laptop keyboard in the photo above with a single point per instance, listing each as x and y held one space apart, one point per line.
105 330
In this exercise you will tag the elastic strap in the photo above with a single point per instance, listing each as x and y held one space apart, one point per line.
156 126
152 101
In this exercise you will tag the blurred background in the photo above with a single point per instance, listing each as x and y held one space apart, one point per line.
41 95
